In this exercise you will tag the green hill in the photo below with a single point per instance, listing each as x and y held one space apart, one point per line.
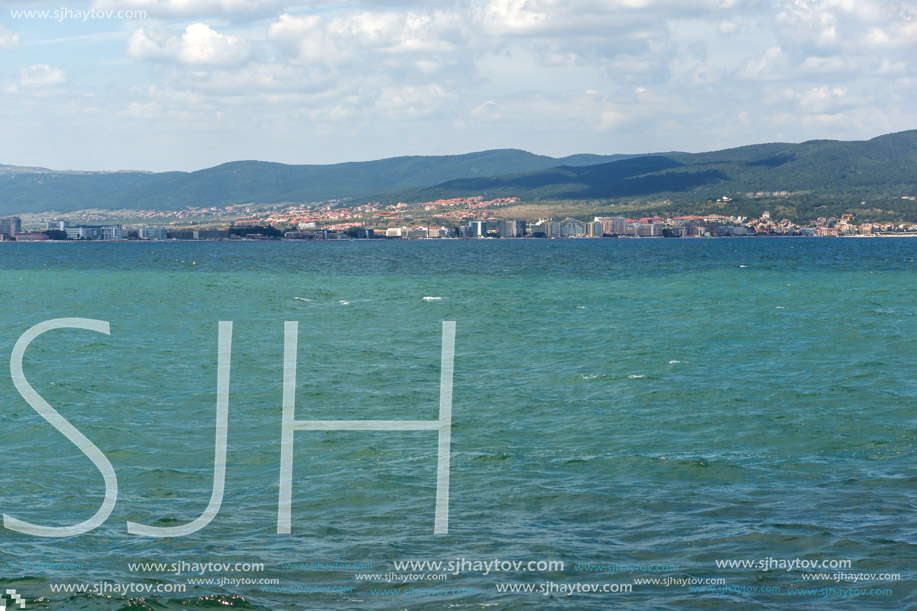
884 166
37 190
819 176
816 178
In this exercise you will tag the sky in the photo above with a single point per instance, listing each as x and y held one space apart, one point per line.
187 84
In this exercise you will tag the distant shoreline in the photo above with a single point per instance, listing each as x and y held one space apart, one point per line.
623 238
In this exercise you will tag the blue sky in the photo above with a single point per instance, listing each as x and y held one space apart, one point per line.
195 83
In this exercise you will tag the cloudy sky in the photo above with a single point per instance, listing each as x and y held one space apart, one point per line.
195 83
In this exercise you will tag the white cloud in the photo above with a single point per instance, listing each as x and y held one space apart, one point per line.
727 27
512 16
764 68
876 37
144 111
263 78
575 18
600 111
8 40
410 101
361 79
851 25
342 38
37 80
199 44
40 75
823 99
508 66
148 43
482 110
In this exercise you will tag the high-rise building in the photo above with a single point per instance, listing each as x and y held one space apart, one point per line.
572 228
647 230
112 233
546 228
9 227
612 225
479 228
512 228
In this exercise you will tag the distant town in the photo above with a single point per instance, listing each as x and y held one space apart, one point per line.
459 218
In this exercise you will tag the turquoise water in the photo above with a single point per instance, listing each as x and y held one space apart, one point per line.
616 401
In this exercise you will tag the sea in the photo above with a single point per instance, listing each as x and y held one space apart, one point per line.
636 424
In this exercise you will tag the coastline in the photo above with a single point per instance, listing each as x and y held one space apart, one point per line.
477 239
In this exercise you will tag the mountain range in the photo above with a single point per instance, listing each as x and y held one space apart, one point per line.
32 189
881 169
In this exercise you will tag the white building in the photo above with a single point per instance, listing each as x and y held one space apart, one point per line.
152 232
416 233
572 228
613 225
439 232
647 230
112 233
